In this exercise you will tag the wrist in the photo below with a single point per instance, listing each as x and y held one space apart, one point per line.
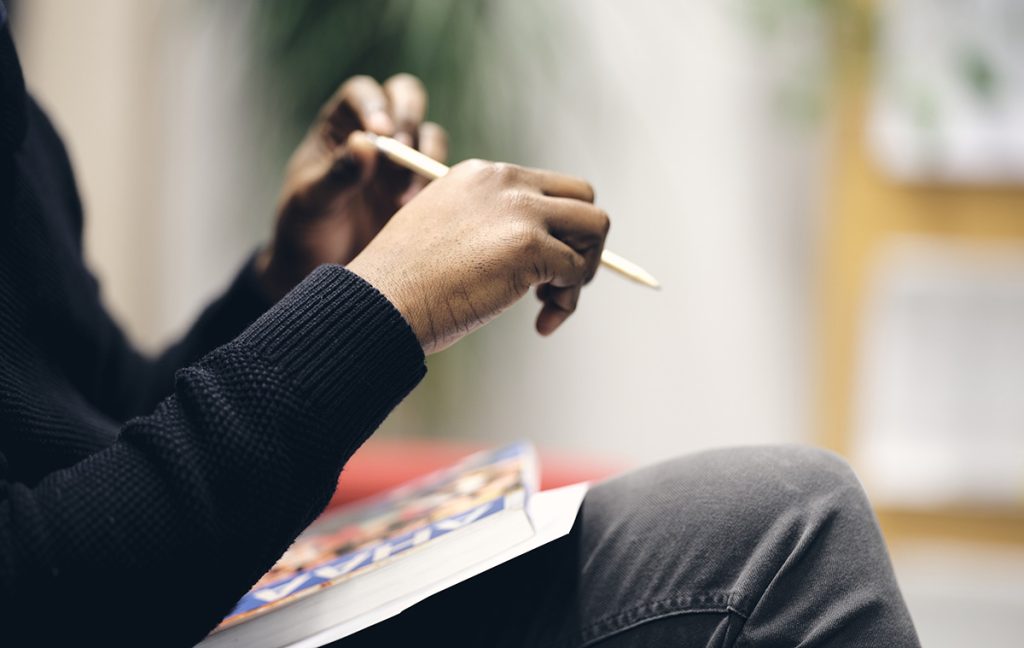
376 275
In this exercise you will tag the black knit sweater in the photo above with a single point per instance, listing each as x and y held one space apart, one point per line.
140 498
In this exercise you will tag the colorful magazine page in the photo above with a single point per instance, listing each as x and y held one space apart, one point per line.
357 539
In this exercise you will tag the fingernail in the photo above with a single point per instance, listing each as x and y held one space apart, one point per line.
404 138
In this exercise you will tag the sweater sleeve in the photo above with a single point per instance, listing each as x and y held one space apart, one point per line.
106 368
129 383
151 541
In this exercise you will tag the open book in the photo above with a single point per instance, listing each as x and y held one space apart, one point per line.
366 562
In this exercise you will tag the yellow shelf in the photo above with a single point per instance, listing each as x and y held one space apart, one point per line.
1002 526
864 209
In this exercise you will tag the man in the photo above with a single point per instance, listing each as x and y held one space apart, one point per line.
140 498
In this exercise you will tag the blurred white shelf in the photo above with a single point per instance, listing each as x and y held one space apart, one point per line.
939 412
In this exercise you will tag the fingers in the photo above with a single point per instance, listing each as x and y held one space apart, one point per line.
548 183
580 225
559 304
359 104
396 109
408 101
558 264
580 228
559 185
434 141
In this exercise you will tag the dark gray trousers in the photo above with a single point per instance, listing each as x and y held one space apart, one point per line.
765 546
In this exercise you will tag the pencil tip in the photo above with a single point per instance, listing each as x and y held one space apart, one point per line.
646 278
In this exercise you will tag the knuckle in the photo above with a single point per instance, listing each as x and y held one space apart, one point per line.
502 171
499 173
475 165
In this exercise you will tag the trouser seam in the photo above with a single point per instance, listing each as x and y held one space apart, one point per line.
698 603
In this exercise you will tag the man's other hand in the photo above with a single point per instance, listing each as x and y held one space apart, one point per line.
337 191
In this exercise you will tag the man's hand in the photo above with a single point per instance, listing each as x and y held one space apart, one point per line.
473 242
338 192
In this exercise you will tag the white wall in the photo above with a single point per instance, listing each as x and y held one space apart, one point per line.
668 108
151 99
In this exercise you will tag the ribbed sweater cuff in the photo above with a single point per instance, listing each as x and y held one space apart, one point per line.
343 343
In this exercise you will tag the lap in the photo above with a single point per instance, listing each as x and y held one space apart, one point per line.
692 547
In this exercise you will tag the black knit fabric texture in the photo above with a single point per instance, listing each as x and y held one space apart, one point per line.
141 497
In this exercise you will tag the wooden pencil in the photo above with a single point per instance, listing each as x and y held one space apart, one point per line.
428 167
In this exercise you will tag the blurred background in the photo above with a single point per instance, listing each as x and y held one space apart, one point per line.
831 192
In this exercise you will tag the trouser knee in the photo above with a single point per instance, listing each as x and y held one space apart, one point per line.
734 488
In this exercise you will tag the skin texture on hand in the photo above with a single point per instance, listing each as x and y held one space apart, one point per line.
474 242
338 192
